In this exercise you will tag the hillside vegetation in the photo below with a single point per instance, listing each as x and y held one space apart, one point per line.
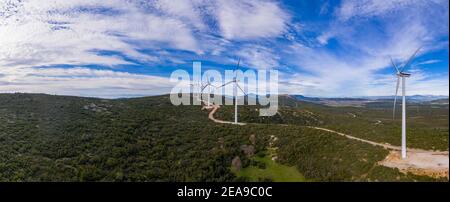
427 124
63 138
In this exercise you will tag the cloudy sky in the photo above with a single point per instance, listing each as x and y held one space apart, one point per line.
126 48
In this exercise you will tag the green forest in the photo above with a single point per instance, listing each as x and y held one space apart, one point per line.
64 138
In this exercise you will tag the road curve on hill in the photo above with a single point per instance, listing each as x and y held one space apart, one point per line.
420 162
211 115
386 146
214 109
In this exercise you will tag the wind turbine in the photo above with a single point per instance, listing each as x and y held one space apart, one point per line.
194 87
236 85
402 75
207 85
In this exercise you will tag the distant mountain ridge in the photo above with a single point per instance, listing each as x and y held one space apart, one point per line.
421 98
411 97
361 100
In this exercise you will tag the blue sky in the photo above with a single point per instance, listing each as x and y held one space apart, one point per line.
120 48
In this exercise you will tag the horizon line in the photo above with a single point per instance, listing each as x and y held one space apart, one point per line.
154 95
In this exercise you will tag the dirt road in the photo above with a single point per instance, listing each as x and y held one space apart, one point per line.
214 108
420 162
386 146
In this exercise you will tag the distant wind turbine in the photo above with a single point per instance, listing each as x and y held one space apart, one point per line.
194 87
236 86
208 85
401 74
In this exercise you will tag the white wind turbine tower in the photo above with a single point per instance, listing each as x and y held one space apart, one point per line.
236 85
207 85
401 74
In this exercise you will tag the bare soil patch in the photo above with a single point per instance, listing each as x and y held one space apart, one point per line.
419 162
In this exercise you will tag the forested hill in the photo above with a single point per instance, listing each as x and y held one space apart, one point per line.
62 138
65 138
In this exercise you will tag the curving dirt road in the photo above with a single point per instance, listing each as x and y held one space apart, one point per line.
386 146
420 162
211 116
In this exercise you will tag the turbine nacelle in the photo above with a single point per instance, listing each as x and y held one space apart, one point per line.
403 74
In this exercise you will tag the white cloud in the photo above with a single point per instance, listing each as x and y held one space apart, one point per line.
330 74
427 62
251 19
82 82
67 32
74 32
371 85
393 28
419 83
36 33
187 10
258 57
369 8
325 74
323 38
353 67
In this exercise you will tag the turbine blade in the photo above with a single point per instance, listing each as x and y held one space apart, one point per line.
410 59
395 97
203 88
241 88
395 66
202 85
237 67
225 84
